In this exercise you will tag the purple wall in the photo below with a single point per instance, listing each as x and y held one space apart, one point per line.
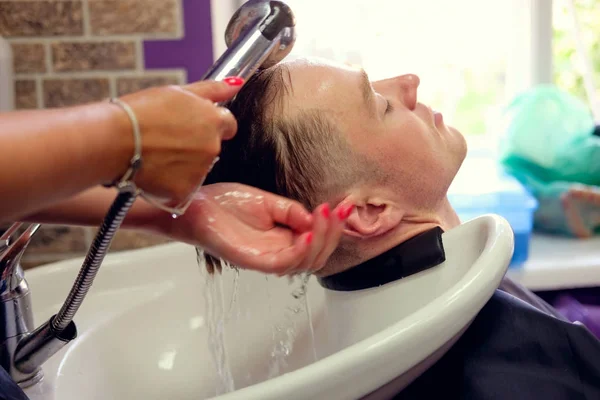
194 52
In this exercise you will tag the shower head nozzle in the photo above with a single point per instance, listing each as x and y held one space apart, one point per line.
273 18
260 34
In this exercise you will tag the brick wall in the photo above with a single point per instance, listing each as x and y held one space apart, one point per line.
69 52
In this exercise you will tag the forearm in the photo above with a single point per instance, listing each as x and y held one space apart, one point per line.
50 155
90 207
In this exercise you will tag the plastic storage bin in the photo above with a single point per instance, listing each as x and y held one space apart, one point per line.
482 188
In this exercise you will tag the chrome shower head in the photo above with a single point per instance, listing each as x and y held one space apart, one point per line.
259 35
274 17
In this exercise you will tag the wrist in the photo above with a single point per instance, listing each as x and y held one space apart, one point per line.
117 142
188 228
146 217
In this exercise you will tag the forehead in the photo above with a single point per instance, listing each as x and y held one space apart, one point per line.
332 88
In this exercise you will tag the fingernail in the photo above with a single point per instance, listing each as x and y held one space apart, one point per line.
224 111
309 238
234 81
349 211
325 210
344 212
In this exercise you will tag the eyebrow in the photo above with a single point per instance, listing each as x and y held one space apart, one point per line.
367 90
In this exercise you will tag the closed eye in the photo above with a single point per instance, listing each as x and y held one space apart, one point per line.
389 107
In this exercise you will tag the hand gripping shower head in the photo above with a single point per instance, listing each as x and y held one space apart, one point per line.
259 35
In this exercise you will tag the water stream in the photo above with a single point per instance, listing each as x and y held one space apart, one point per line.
220 311
215 309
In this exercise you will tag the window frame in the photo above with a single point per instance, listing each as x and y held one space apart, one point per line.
220 14
532 58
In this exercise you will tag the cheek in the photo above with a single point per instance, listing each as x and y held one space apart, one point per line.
409 159
414 141
421 156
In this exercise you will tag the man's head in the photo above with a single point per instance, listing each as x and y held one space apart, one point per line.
317 132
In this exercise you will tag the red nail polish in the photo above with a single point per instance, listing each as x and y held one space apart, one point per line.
233 81
325 211
348 211
309 238
344 212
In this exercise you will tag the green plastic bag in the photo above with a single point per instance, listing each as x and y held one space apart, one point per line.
549 147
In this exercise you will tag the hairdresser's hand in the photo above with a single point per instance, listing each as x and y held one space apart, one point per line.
257 230
181 130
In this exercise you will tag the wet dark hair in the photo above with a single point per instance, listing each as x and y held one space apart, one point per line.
250 157
300 156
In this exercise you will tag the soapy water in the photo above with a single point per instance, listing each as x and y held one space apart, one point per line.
219 311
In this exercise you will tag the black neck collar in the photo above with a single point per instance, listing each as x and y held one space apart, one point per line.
417 254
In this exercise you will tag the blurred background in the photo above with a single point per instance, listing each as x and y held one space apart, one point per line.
473 56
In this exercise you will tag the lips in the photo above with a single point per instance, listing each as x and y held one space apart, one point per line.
436 116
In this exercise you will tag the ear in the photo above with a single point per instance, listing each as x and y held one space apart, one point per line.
372 217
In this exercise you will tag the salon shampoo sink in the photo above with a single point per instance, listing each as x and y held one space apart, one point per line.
153 326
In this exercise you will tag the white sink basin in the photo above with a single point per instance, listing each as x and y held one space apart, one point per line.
144 328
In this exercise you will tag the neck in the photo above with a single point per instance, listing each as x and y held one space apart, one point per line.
448 217
444 216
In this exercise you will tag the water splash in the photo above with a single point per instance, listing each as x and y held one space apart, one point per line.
284 336
275 362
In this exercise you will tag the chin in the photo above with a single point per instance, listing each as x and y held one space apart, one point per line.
458 149
460 144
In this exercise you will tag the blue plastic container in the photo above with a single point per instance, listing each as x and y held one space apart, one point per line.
481 188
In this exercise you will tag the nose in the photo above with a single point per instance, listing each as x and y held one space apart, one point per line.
409 84
403 87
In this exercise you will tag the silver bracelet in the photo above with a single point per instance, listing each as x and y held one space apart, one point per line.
180 209
126 181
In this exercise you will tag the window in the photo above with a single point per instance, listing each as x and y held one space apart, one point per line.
220 13
570 69
473 56
459 48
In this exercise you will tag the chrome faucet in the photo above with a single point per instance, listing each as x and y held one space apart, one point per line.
23 350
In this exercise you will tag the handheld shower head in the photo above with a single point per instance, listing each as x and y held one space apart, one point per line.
275 18
259 35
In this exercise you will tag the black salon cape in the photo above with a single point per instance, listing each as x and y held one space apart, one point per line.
514 351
